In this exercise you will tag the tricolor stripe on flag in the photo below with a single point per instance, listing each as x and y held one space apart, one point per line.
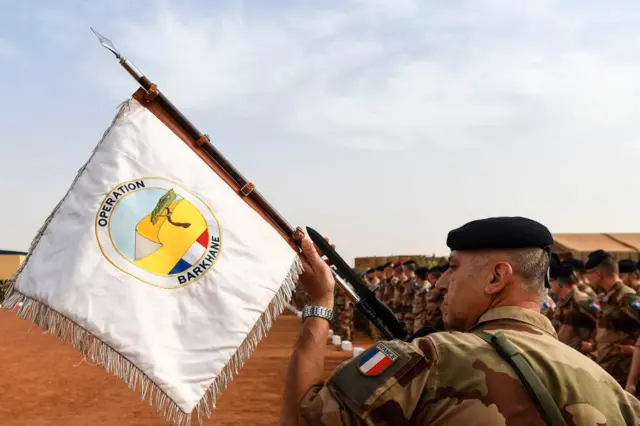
376 360
193 254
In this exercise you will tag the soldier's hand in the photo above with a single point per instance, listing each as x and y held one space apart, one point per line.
316 277
586 347
624 349
630 388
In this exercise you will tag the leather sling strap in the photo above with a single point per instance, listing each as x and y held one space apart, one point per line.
539 393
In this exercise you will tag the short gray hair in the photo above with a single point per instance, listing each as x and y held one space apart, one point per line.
530 265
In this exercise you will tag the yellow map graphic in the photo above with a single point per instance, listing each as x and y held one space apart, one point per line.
159 247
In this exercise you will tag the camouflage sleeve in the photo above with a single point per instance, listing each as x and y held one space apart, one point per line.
630 305
381 386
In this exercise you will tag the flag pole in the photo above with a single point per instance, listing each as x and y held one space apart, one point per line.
364 299
247 187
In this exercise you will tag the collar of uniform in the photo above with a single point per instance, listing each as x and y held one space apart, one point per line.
616 287
564 302
518 314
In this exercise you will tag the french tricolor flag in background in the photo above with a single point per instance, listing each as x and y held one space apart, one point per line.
376 360
195 252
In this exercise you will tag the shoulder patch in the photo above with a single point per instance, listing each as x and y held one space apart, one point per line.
361 381
376 360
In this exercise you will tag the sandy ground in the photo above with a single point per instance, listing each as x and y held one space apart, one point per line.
45 382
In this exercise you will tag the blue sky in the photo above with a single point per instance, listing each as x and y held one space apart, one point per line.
381 123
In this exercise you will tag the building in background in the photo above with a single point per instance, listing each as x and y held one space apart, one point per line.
10 261
578 246
364 263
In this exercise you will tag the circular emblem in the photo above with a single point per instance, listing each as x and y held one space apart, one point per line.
158 232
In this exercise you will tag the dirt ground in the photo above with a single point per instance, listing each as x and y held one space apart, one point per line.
45 382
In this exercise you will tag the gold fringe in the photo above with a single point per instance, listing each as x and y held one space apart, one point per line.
99 353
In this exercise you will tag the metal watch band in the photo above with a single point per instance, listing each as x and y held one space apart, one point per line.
317 311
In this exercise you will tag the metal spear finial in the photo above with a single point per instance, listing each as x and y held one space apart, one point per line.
126 64
107 43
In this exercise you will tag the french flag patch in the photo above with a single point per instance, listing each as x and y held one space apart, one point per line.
376 360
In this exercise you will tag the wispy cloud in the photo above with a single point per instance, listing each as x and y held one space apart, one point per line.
491 99
394 74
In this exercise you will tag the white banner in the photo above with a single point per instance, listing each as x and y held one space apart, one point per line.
155 268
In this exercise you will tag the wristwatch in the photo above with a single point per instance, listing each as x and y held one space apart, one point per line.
317 311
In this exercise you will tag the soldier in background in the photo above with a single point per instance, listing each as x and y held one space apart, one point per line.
408 290
418 305
434 274
618 325
300 298
574 319
432 316
379 292
372 280
629 273
578 268
389 284
398 290
343 315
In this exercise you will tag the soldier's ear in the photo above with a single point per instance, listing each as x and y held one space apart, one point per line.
501 274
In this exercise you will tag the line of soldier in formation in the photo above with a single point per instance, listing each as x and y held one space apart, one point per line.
593 305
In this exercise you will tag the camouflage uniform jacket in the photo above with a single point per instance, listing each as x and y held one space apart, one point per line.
455 378
398 292
576 322
618 324
417 307
432 316
587 290
406 301
389 287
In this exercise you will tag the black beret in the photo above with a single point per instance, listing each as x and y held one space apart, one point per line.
577 264
422 272
554 266
370 271
626 266
596 258
380 268
443 268
409 262
596 252
500 233
387 265
565 270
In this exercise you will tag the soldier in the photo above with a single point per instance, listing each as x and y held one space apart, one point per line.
419 298
398 290
576 322
343 319
379 292
408 290
389 284
434 274
578 268
299 298
629 273
432 316
372 279
466 375
618 326
379 280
